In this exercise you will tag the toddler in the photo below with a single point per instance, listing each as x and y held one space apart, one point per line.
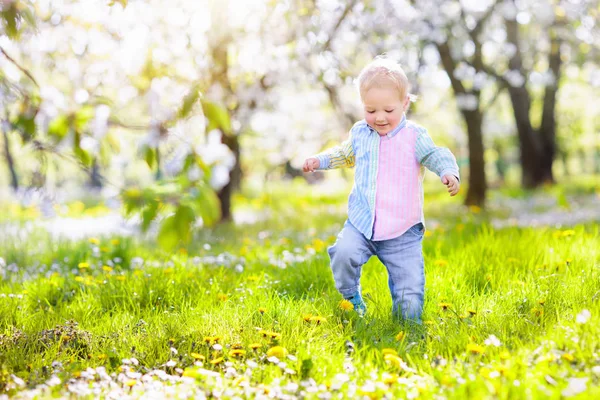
385 207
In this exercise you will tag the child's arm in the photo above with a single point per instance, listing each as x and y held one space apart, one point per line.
439 160
336 157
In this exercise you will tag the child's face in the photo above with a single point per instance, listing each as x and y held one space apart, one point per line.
383 109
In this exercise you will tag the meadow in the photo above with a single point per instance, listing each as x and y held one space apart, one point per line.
250 310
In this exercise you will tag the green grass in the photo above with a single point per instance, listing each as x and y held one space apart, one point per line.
526 287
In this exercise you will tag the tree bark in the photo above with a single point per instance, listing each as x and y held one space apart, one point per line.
548 126
14 179
477 180
473 119
95 176
538 148
235 177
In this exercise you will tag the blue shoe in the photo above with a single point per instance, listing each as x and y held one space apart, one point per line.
359 305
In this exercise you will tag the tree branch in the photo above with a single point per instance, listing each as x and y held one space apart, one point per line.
23 70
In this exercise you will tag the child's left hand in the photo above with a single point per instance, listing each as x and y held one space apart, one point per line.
452 183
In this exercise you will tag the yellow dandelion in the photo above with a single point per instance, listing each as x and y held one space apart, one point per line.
502 370
307 317
400 336
474 348
277 351
472 312
255 346
102 356
504 355
216 361
207 339
568 357
237 353
541 302
104 249
475 209
253 278
393 360
390 379
79 278
236 346
198 356
318 319
115 242
94 240
130 382
444 306
318 245
538 312
106 268
568 233
389 351
222 296
263 333
275 335
120 277
346 305
262 310
83 265
441 263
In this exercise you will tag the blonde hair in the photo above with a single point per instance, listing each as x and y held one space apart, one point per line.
382 72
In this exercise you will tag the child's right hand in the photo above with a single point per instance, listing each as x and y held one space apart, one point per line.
310 164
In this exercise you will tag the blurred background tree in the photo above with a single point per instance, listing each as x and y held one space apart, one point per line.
150 94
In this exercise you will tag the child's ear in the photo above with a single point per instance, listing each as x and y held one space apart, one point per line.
406 103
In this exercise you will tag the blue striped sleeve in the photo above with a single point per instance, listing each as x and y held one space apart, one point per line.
439 160
338 156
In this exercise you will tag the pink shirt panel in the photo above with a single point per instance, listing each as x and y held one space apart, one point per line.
399 194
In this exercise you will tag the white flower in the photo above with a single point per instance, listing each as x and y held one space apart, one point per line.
583 317
492 340
576 386
171 363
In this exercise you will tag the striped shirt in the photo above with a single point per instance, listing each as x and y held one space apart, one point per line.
387 197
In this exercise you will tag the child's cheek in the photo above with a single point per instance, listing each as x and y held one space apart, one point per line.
370 118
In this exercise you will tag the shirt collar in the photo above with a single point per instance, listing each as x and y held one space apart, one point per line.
397 129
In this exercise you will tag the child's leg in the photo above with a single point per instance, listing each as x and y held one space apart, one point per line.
348 254
403 258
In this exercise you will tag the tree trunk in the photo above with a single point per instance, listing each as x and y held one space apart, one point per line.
95 176
548 126
538 149
14 179
531 168
477 180
235 177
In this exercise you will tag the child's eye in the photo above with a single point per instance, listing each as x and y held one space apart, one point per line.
389 111
370 112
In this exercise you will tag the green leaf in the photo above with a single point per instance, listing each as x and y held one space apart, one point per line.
184 219
150 157
167 235
82 117
83 156
188 102
10 16
121 2
59 127
176 228
217 116
26 125
149 214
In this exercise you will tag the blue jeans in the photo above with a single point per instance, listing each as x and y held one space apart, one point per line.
402 257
